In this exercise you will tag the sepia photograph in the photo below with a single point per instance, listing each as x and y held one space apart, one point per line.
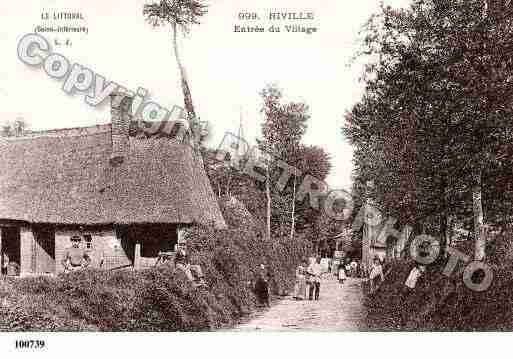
286 168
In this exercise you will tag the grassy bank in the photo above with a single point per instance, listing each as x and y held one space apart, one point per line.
442 303
159 299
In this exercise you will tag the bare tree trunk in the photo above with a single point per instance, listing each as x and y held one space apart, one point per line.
480 240
228 186
449 232
187 97
268 196
292 228
443 234
443 218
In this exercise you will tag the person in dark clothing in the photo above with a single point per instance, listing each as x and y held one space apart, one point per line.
262 286
181 256
182 261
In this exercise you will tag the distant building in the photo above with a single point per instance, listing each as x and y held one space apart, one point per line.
343 244
385 249
126 197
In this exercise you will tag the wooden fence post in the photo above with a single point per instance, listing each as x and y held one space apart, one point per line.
137 255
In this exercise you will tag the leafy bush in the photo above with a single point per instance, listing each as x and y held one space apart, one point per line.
445 303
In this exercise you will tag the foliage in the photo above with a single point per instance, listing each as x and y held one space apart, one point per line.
179 14
435 119
283 129
183 13
441 303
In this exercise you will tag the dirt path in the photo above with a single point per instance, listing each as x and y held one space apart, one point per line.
339 308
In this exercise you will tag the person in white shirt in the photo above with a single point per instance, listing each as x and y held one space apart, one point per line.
414 276
315 270
5 263
375 274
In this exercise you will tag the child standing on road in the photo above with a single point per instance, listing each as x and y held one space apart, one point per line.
341 273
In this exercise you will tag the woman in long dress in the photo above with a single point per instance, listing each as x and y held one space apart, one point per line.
262 286
300 286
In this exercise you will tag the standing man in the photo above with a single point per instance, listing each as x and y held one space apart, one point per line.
375 274
5 263
354 268
75 258
315 271
181 257
182 260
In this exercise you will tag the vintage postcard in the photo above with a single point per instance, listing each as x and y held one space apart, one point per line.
241 166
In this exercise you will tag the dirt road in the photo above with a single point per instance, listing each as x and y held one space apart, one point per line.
338 308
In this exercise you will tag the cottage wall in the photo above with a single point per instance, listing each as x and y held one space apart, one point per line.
104 244
108 247
27 246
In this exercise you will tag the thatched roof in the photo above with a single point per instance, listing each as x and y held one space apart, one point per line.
69 180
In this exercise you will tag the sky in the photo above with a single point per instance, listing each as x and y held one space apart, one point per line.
226 69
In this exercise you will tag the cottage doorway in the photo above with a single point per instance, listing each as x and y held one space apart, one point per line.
11 249
44 251
153 239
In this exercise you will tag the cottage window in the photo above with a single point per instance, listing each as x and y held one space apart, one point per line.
88 241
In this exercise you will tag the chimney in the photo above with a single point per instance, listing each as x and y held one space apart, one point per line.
121 115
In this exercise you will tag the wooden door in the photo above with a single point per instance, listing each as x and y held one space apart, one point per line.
11 244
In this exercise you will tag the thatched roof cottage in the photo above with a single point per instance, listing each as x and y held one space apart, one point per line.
126 197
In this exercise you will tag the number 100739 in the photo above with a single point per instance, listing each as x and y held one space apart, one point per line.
30 344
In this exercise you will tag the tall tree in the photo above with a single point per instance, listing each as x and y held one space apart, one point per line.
434 122
180 15
283 128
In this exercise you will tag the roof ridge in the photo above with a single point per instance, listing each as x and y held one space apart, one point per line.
30 138
71 128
